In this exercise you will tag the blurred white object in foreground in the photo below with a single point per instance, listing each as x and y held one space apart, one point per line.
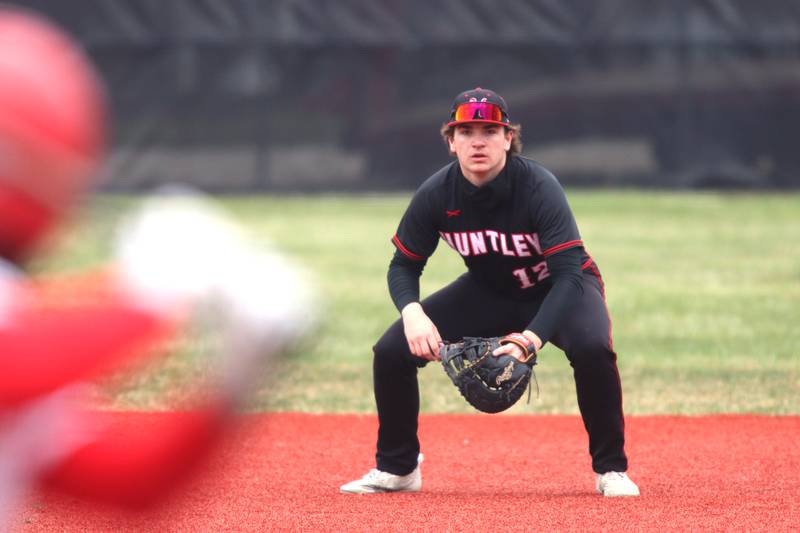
181 250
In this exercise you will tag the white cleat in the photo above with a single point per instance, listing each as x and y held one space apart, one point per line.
616 484
377 481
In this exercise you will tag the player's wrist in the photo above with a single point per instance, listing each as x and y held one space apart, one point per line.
533 339
411 309
527 349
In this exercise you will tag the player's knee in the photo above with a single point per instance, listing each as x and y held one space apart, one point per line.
391 355
590 352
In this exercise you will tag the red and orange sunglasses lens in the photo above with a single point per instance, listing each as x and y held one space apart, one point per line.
474 111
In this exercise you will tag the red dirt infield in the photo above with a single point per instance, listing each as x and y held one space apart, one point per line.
281 472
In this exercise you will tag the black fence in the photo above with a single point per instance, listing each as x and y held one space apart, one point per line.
349 94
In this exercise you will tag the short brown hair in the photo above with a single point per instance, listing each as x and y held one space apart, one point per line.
516 141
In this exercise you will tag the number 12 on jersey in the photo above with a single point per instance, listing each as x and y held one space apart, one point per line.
529 276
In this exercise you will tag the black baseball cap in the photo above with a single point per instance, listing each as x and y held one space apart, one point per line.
479 105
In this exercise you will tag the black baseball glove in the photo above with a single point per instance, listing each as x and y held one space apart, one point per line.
489 383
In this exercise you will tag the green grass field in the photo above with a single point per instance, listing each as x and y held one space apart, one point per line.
703 288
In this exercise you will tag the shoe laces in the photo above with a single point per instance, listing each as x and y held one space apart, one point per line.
615 478
377 475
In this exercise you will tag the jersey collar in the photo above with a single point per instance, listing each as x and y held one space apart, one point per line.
493 194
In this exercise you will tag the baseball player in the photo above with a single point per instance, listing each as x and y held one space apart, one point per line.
174 258
528 274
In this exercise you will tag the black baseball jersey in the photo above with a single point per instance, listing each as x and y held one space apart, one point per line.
504 230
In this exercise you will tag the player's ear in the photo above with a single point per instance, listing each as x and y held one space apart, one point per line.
509 138
451 142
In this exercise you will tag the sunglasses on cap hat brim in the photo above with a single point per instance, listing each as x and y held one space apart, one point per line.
478 112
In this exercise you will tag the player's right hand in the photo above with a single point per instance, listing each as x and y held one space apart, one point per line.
421 333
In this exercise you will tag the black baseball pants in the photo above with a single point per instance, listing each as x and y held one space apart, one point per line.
464 308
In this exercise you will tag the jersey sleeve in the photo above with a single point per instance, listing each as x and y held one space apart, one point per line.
553 217
417 234
403 279
565 272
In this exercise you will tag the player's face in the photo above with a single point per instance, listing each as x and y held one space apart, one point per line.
481 150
